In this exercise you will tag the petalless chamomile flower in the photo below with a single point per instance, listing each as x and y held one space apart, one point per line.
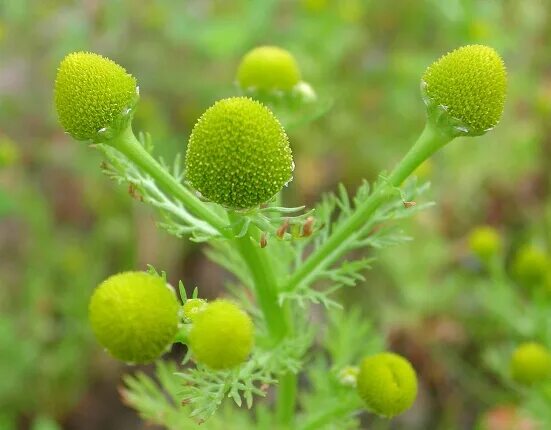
94 96
530 266
485 242
135 316
238 154
221 335
467 88
387 383
530 363
268 68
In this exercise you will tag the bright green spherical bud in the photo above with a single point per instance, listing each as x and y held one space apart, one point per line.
485 242
93 94
192 307
238 154
530 363
530 266
268 68
134 315
469 84
387 383
221 335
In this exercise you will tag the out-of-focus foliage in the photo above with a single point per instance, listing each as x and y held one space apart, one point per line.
64 227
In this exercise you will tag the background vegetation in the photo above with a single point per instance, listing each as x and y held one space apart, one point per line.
64 226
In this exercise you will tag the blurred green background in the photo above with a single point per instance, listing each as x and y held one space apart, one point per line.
64 226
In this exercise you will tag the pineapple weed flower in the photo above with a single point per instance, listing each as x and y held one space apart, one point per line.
239 157
92 95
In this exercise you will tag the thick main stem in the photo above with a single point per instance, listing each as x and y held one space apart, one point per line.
127 143
264 280
277 322
429 142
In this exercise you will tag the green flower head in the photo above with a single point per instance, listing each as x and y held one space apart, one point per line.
93 94
469 85
530 363
530 266
221 335
387 384
485 242
268 68
134 315
238 154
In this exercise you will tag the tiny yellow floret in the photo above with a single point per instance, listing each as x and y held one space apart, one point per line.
531 363
134 315
387 383
221 336
470 84
238 154
91 92
268 68
192 307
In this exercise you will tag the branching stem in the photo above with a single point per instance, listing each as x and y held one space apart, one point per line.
430 140
127 143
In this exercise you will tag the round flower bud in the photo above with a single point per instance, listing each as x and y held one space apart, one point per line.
530 363
268 68
221 335
91 94
238 154
485 242
469 84
387 383
134 315
530 266
192 307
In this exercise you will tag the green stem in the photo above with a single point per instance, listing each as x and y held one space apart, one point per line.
328 416
278 320
264 279
286 400
127 143
428 143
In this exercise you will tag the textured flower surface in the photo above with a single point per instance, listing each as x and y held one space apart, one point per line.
221 336
91 92
134 315
192 307
268 68
530 363
238 154
387 383
470 84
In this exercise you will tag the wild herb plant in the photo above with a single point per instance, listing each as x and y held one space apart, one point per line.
515 298
227 194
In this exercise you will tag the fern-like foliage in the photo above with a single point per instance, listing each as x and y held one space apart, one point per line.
378 232
204 389
176 219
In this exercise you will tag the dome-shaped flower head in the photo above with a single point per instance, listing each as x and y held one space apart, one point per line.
387 384
530 363
134 315
91 94
530 266
485 242
238 154
268 68
469 85
221 335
